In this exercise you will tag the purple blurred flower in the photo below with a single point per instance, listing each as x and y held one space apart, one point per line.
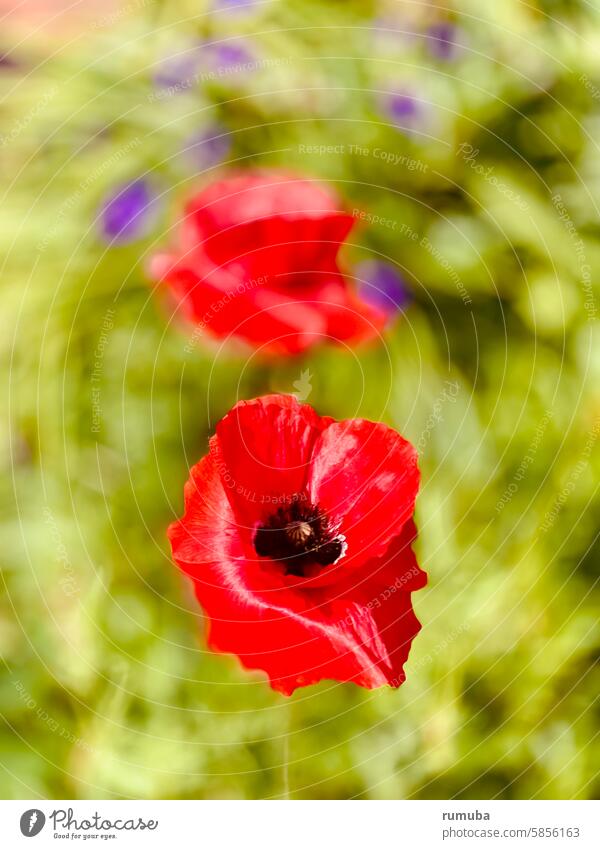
403 107
7 63
406 111
179 70
128 212
233 5
227 55
207 148
382 285
442 40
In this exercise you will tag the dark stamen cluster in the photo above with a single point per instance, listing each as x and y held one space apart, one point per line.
298 536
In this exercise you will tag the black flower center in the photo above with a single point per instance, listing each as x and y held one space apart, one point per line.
299 537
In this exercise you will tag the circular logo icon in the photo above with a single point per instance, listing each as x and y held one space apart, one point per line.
32 822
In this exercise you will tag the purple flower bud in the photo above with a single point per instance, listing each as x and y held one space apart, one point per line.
407 112
403 107
382 285
128 213
442 40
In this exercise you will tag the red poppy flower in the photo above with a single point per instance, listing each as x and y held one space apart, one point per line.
297 534
257 260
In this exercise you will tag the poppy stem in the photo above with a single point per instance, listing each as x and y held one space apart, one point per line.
285 764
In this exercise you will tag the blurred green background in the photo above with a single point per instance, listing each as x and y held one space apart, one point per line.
472 130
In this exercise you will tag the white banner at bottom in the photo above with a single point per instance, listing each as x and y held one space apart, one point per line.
301 824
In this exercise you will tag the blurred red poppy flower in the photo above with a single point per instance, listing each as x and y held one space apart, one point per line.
257 260
297 534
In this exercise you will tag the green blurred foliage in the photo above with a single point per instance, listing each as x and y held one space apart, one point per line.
107 689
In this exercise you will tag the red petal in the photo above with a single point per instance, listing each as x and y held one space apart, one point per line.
208 530
248 196
361 634
280 323
263 449
224 305
365 477
348 319
267 223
